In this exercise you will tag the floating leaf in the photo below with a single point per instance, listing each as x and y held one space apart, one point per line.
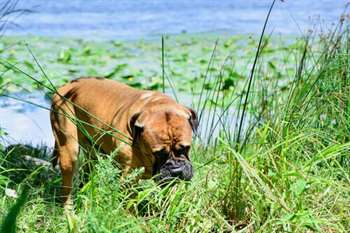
135 84
87 51
65 56
128 77
154 86
119 68
29 65
228 82
203 61
72 70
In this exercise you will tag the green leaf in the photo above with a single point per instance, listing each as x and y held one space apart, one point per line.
128 77
228 82
29 65
87 51
154 86
299 187
65 56
136 84
119 68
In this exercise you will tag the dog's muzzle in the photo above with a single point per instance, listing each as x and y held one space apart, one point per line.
181 169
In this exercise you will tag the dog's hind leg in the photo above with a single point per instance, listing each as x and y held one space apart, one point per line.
87 162
66 145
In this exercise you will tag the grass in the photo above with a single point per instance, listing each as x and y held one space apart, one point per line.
291 173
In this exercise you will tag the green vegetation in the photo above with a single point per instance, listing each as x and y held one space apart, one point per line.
137 63
288 173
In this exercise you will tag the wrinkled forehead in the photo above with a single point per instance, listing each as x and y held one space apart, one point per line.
169 127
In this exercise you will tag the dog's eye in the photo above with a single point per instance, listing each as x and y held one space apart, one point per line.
183 150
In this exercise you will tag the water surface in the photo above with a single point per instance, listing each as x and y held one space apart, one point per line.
24 122
125 19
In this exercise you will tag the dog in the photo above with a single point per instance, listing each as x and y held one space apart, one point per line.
148 129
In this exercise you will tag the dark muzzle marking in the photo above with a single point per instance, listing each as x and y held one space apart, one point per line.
171 169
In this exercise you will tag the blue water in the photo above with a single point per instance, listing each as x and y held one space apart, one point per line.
134 19
24 122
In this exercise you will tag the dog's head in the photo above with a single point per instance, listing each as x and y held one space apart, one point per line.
165 136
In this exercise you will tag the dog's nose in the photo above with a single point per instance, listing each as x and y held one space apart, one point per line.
174 163
170 163
174 166
179 168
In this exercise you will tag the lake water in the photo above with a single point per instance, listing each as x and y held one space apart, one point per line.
25 122
135 19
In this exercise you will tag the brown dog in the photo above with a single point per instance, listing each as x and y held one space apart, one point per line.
149 129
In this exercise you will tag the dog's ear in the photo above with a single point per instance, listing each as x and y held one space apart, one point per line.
193 119
136 128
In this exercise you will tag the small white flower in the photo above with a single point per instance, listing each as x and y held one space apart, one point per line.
11 193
